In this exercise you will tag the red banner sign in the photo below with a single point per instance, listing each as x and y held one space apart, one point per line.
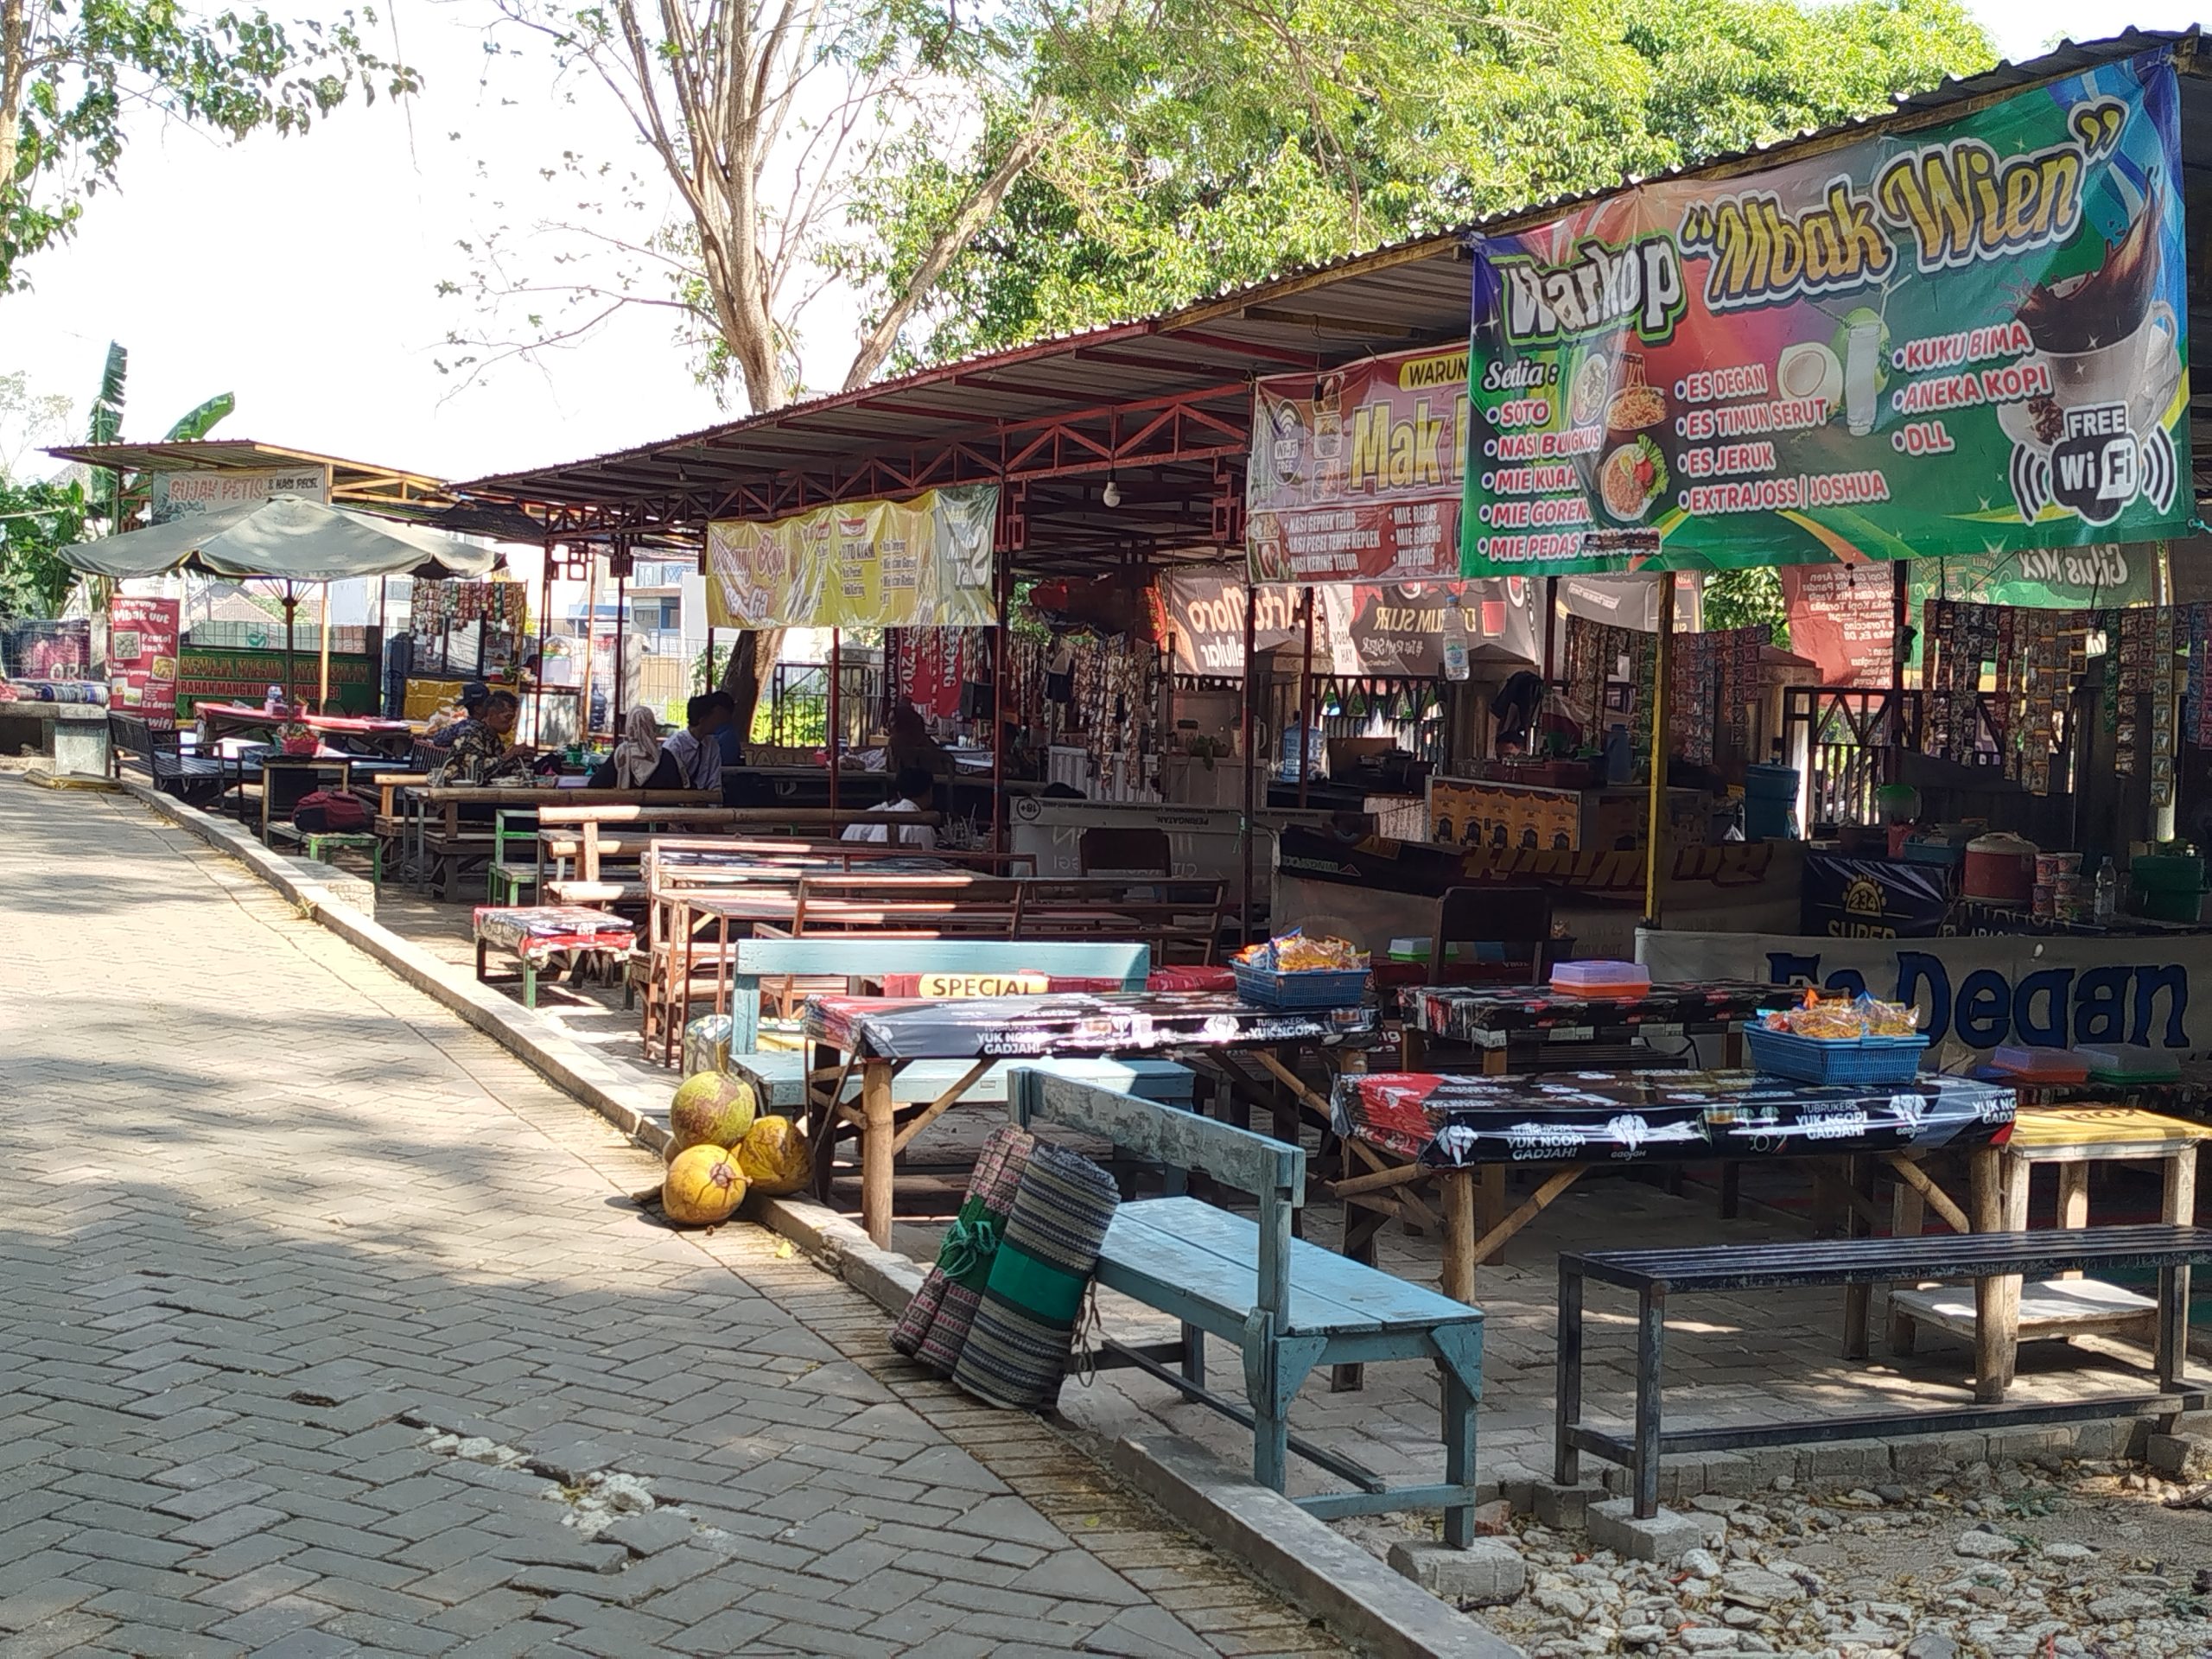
1842 617
142 652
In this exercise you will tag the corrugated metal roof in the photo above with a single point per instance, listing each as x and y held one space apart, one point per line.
1388 298
351 480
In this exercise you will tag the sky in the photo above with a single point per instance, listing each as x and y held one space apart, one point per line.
301 274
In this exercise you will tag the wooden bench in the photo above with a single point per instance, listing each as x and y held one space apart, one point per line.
196 779
1988 1259
1287 1306
607 843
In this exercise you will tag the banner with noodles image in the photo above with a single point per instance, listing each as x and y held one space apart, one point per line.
1965 338
923 563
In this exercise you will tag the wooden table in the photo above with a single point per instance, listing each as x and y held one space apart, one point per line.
1998 1313
444 803
878 1035
1461 1133
346 734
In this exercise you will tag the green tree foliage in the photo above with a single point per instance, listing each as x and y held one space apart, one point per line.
1743 599
1202 146
37 517
72 70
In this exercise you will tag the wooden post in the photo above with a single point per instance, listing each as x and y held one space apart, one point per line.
711 682
1252 766
1306 703
834 711
1988 1201
591 641
544 613
292 605
323 696
622 620
1460 1233
877 1127
1655 821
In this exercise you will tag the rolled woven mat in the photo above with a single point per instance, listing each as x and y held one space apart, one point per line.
935 1325
1017 1349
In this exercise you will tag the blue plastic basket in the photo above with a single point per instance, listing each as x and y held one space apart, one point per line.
1316 987
1811 1059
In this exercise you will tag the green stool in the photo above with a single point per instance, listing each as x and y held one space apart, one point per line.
507 882
318 845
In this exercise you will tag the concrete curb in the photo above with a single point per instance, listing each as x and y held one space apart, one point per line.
1327 1574
1361 1598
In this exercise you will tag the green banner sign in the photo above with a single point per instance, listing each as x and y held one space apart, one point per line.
1964 340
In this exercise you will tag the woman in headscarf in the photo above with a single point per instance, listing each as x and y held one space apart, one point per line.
638 760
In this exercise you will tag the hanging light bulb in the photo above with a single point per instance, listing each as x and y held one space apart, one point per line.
1111 496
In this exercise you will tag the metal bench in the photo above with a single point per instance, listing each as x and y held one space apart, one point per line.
1289 1305
1987 1258
189 777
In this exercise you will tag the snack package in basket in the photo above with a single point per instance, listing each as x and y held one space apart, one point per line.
1844 1019
1293 953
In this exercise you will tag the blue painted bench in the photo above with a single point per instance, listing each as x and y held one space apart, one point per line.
910 1096
1289 1305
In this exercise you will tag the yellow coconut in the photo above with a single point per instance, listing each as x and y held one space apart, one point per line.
704 1185
773 1157
711 1109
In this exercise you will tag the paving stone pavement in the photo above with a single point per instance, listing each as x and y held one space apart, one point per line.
323 1313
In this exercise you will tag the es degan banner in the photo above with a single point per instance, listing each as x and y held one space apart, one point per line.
1963 339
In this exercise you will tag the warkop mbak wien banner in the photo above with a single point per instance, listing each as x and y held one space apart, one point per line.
1963 338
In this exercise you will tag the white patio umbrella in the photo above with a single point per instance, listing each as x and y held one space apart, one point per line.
286 539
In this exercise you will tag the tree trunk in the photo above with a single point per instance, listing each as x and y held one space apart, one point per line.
752 660
15 76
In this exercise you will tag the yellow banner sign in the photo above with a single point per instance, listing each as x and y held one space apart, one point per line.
923 563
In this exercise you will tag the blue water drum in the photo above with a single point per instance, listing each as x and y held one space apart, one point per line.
1769 803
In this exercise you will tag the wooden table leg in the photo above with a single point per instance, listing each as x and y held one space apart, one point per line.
2178 1209
1908 1219
1988 1201
1494 1061
1412 1048
877 1129
1361 1225
2073 1202
2018 1173
1460 1233
1857 1299
1490 1209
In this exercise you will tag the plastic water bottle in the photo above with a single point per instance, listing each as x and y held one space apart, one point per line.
1455 640
2107 894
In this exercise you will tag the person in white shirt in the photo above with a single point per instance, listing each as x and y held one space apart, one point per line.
913 790
697 748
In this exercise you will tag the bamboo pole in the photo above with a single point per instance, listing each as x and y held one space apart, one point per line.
1305 700
322 694
1252 766
1655 820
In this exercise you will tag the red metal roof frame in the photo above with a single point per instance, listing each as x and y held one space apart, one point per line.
1160 405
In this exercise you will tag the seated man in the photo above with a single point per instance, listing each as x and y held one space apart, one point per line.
474 695
913 790
482 751
697 748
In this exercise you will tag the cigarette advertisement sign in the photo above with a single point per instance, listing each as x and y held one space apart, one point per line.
1355 473
923 563
1957 340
